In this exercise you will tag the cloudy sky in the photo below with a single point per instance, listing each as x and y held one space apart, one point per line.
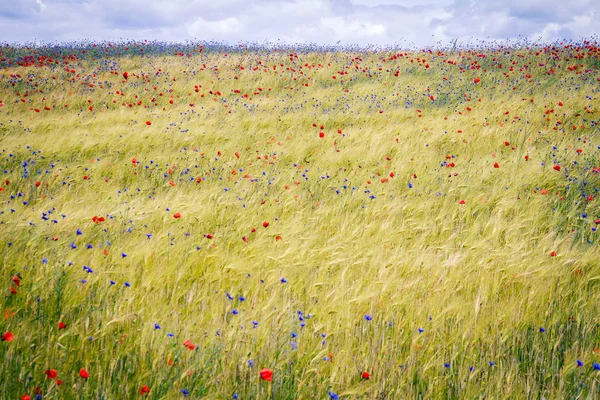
381 22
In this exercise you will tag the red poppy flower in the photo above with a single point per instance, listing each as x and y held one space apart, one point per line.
125 75
26 397
476 80
61 325
177 215
557 167
321 135
8 337
148 123
13 290
496 165
560 103
245 239
51 373
188 343
365 375
83 373
16 280
462 202
59 382
265 224
266 374
553 253
38 183
145 389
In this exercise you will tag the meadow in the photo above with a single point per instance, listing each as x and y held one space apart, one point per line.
211 221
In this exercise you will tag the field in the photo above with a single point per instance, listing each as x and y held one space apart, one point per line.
247 222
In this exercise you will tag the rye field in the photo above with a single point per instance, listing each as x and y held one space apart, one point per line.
243 222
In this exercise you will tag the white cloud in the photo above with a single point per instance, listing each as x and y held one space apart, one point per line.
41 4
379 22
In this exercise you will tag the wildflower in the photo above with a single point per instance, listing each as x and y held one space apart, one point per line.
368 317
177 215
542 330
83 373
365 375
61 325
597 366
8 337
333 395
266 374
579 363
185 392
144 390
51 373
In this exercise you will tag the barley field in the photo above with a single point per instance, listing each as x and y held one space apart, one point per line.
242 222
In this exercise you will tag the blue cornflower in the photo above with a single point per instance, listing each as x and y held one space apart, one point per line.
333 396
368 317
250 363
123 255
255 324
185 392
234 311
542 329
230 297
447 365
127 284
156 326
78 232
421 330
597 366
579 363
170 335
44 260
112 282
294 334
283 280
492 364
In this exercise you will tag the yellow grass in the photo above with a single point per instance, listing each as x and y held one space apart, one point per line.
477 278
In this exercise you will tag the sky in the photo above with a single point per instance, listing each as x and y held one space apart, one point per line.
406 23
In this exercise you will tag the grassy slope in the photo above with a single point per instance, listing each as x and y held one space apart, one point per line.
477 278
